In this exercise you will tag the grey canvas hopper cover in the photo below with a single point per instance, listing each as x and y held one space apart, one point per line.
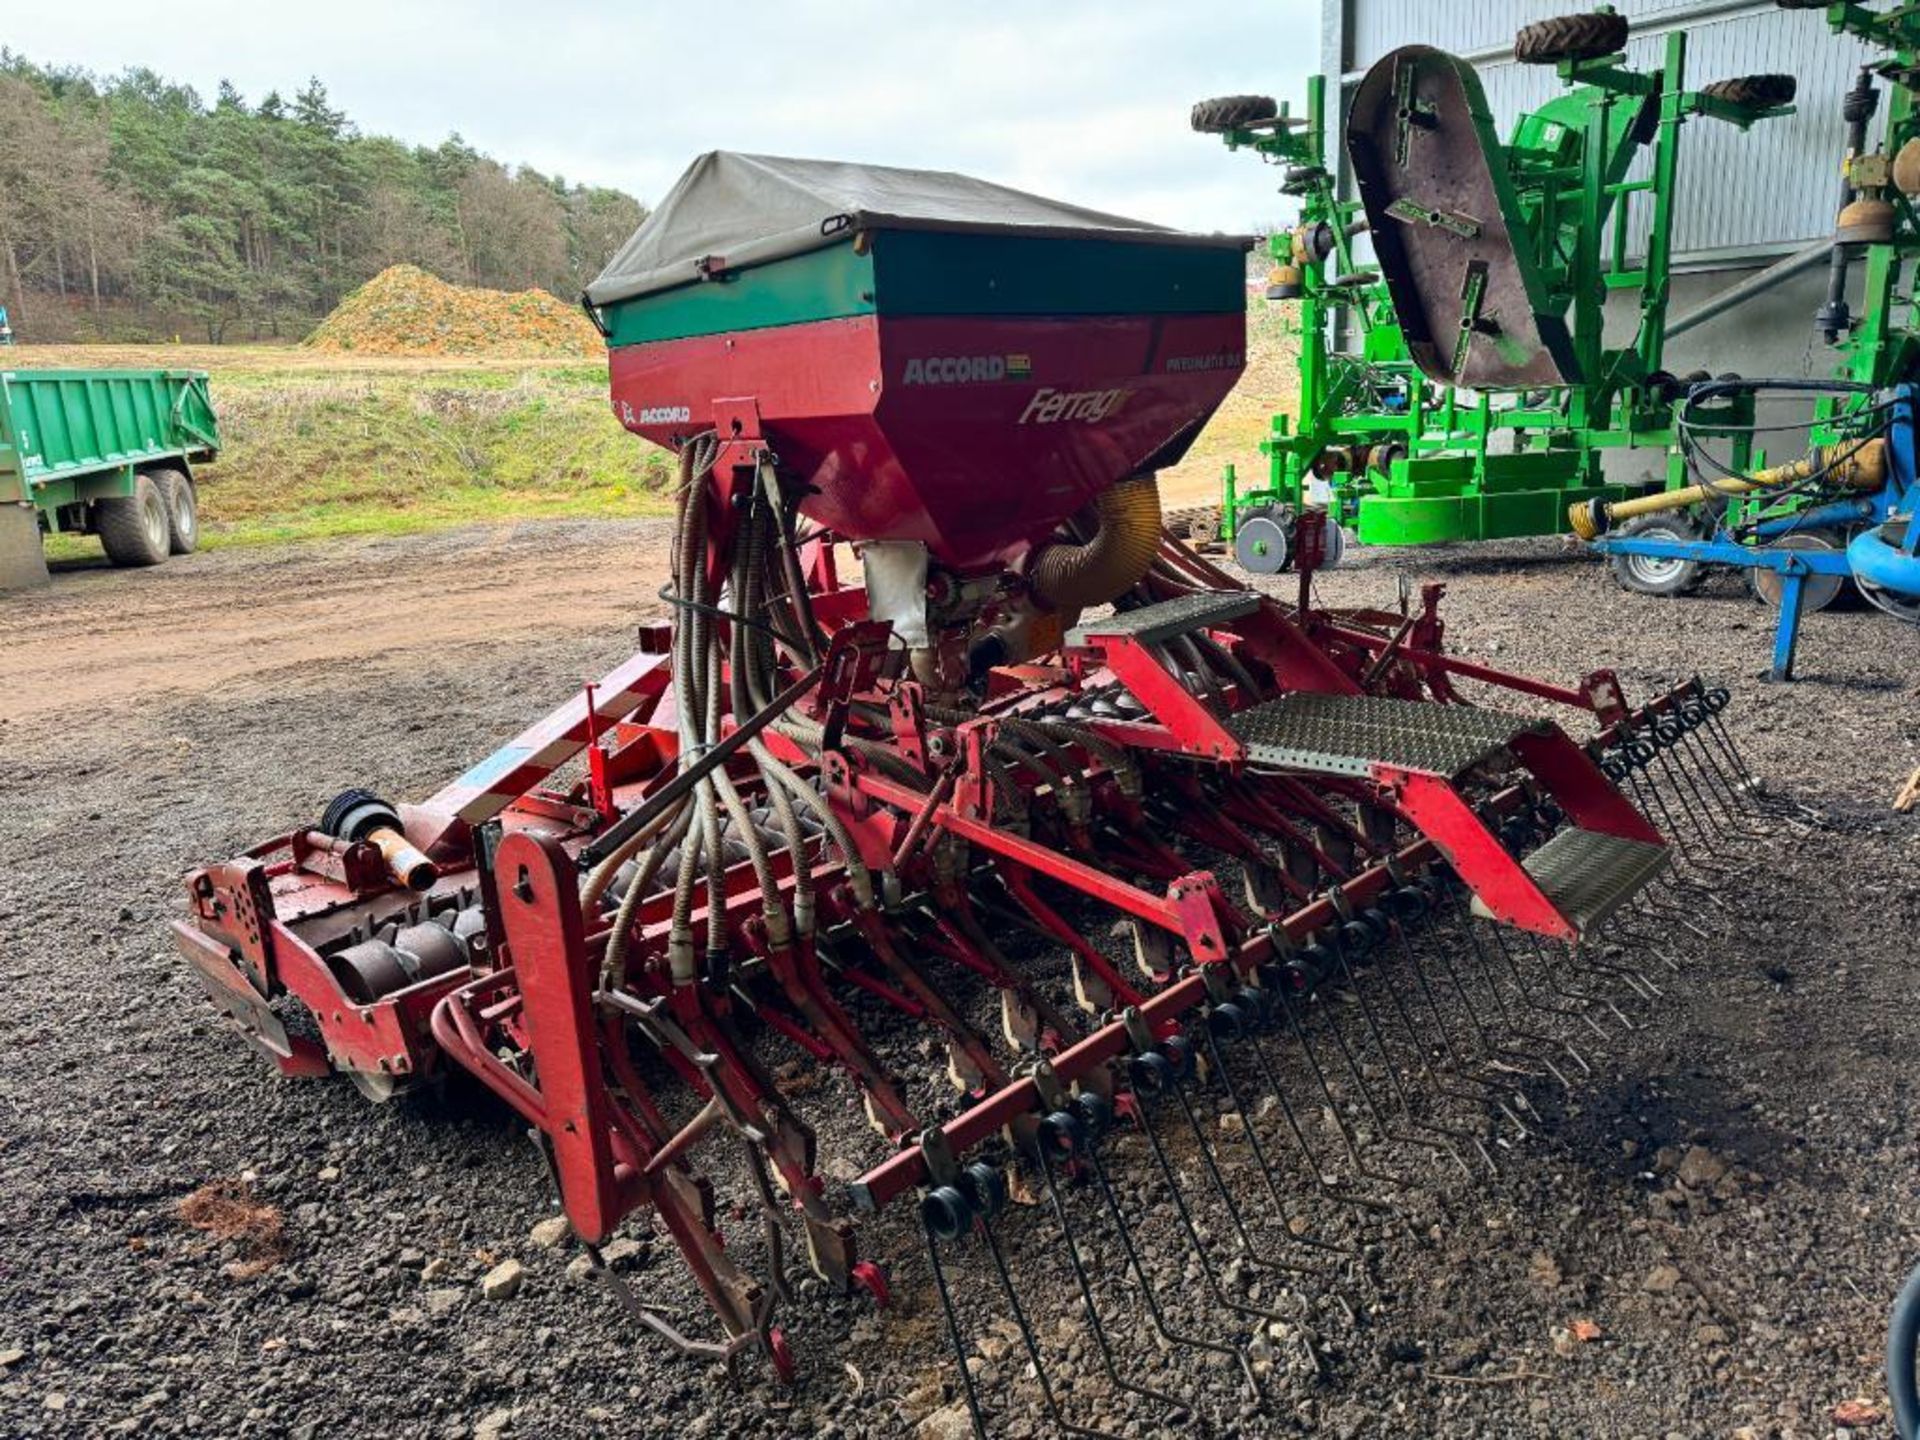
749 209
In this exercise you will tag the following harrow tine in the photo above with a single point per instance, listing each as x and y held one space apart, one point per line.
1697 811
1519 979
1648 797
1167 1078
954 1334
1714 701
1631 937
1487 1083
1693 720
1463 921
1545 956
1147 1289
1654 910
968 1206
1332 1104
1443 1142
1453 1066
1585 960
1210 1162
1471 928
1068 1131
1459 987
1355 1070
1702 762
1242 1028
1279 1093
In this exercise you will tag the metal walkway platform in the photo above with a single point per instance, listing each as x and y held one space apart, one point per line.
1170 619
1588 875
1352 734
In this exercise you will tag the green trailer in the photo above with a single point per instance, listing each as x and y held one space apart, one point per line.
102 452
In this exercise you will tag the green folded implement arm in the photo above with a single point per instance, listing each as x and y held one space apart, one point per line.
102 452
1433 410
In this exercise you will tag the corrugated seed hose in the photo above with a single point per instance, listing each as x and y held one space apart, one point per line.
1073 577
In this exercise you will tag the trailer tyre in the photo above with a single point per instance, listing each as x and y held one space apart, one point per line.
1570 37
1232 112
183 510
135 529
1754 92
1655 575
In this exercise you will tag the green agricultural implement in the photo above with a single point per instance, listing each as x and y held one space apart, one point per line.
102 452
1479 415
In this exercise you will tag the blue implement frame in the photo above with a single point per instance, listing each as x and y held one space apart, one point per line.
1898 497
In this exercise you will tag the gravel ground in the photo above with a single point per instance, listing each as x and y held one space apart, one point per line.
1701 1243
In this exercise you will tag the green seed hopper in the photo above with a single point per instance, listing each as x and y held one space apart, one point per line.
103 452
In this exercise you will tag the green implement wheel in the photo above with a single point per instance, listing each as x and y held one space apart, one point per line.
1232 112
1657 574
1570 37
1261 543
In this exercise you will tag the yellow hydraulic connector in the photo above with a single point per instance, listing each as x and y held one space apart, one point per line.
1854 464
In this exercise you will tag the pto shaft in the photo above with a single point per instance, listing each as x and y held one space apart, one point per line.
1855 465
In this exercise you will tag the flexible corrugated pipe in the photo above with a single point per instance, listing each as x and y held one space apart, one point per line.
1072 577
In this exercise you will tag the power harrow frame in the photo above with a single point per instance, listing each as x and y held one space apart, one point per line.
1037 769
1341 855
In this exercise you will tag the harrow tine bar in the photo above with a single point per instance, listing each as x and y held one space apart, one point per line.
1261 1163
1148 1291
1085 1286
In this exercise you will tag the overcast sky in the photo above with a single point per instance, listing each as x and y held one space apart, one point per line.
1083 100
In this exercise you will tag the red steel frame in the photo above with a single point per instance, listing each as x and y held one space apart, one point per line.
262 923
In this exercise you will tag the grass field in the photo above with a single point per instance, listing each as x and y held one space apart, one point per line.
320 445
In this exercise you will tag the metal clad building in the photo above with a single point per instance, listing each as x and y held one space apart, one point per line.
1742 195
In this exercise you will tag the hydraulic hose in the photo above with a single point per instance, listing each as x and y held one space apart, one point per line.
1071 577
1903 1337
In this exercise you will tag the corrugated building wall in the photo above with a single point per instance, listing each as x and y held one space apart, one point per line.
1742 195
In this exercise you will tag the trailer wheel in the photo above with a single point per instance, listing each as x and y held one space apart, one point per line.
1232 112
1570 37
183 510
1754 92
135 529
1655 574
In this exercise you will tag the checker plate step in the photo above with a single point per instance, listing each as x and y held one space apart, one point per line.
1350 734
1151 624
1588 875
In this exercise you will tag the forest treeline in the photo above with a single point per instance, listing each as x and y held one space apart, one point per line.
129 203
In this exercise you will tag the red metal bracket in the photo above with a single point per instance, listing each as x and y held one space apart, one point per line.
233 903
